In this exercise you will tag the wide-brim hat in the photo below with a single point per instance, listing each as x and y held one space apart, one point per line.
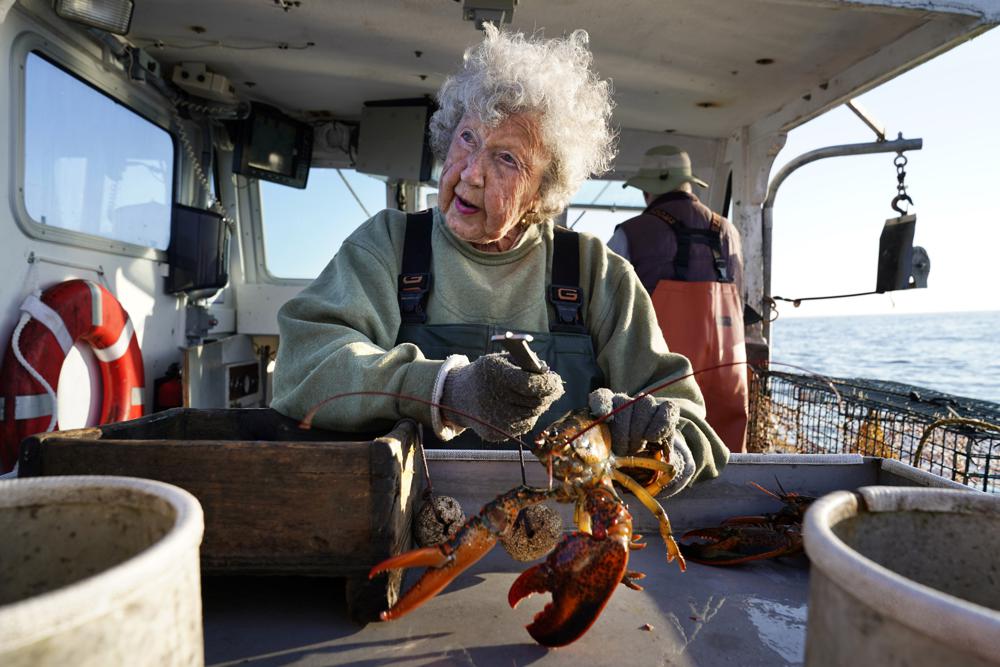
664 169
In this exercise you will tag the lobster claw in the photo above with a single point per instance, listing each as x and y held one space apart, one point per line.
733 544
443 562
581 573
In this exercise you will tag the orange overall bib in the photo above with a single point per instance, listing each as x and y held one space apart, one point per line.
703 320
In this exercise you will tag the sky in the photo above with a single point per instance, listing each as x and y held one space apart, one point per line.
829 214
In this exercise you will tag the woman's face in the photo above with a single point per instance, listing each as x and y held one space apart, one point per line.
491 178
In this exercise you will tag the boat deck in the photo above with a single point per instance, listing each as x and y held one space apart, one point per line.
750 615
754 614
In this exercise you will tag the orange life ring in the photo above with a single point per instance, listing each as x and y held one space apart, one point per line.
75 310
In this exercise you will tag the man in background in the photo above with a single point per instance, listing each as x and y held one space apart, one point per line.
690 261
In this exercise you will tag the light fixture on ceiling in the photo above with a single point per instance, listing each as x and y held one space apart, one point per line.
110 15
488 11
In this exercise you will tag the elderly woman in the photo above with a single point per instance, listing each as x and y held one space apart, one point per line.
409 304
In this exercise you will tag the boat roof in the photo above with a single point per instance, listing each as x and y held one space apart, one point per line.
693 68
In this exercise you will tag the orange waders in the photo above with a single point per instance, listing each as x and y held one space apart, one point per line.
704 322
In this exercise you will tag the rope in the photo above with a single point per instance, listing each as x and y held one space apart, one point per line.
797 302
16 346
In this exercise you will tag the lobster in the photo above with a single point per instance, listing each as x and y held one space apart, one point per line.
586 566
748 538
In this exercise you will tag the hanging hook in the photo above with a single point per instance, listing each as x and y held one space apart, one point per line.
901 196
898 198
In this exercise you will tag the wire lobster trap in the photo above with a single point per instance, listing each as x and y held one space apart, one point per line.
952 436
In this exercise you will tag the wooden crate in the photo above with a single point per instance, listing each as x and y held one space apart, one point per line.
277 499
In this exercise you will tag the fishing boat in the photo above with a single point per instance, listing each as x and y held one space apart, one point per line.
169 161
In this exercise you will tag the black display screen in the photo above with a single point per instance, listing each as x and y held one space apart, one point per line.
198 253
273 147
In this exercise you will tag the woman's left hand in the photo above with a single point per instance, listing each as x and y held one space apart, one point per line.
646 420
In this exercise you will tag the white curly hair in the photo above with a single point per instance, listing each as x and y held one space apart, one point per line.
509 74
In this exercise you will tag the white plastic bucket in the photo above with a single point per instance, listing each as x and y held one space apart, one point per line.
904 576
99 571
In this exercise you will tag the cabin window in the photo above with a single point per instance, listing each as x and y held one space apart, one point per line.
92 165
599 206
303 229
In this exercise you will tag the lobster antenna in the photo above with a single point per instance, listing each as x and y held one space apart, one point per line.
520 456
423 459
826 380
767 491
429 491
663 385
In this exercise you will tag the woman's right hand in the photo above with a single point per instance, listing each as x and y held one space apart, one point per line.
493 391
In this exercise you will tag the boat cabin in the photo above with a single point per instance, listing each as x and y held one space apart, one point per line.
185 167
203 161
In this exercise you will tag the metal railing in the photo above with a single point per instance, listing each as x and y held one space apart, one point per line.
955 437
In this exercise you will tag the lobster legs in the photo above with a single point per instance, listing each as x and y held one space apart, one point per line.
473 541
664 471
673 551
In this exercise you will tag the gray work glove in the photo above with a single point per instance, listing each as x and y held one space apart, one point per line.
643 426
499 393
647 420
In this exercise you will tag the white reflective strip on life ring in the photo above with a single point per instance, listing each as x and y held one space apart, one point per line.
137 396
96 307
116 350
51 319
32 406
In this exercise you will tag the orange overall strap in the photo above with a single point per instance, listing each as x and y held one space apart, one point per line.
704 322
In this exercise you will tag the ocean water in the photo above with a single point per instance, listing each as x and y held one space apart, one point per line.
957 353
